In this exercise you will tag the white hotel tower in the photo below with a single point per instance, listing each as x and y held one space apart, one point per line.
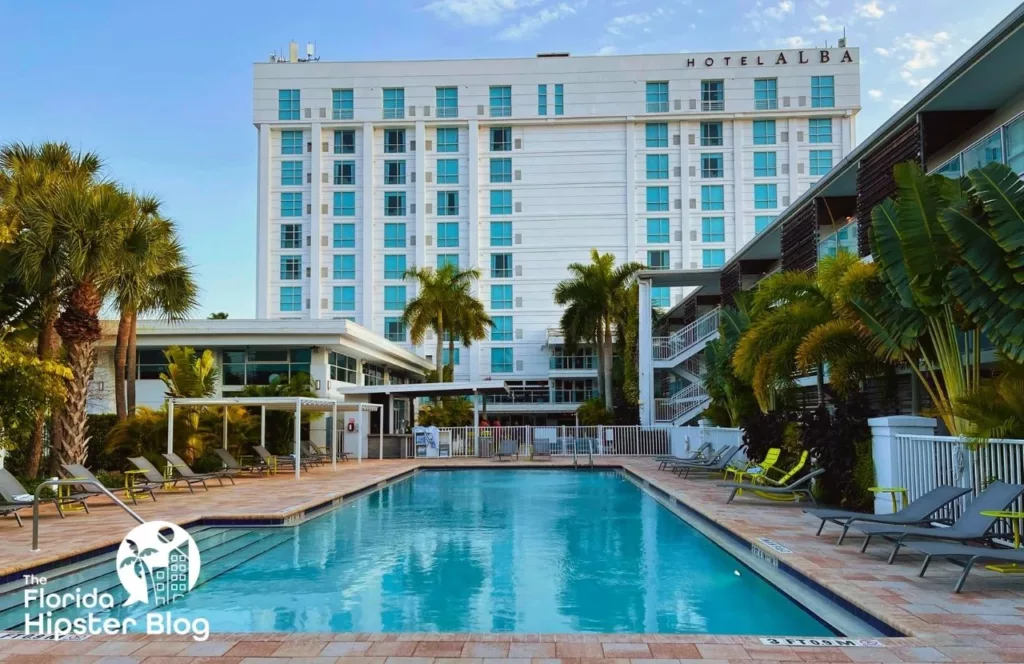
521 166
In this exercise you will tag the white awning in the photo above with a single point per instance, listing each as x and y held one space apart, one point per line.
413 390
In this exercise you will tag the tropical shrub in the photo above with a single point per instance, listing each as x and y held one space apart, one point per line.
592 412
97 428
763 431
839 441
996 408
732 399
446 412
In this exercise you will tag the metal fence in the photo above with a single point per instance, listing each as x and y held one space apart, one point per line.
563 440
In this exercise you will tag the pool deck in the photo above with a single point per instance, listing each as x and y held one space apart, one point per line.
985 623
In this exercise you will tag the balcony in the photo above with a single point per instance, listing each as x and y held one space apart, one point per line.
713 105
843 239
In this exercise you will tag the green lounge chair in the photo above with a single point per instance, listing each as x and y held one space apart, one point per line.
183 470
14 497
916 513
965 554
784 475
154 476
753 469
793 491
78 470
231 463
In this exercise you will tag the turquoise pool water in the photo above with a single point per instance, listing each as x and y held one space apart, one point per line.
495 551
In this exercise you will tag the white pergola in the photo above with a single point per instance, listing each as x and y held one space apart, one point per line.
293 404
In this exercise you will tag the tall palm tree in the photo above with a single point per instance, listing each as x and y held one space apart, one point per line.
468 319
589 297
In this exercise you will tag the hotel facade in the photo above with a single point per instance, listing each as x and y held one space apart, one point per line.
518 167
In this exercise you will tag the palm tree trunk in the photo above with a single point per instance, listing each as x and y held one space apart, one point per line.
599 344
451 353
440 349
608 366
124 327
46 347
821 383
130 365
79 327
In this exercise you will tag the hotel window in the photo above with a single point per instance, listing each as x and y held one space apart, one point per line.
394 203
344 204
344 266
501 233
394 266
657 167
764 132
658 260
394 329
343 368
819 130
291 298
501 296
448 234
394 236
447 204
291 204
656 135
661 297
501 139
444 260
985 151
501 170
394 141
291 236
823 91
712 95
288 104
501 328
501 101
821 162
657 231
713 257
542 99
501 201
446 357
344 236
291 142
344 298
951 169
447 171
447 139
712 165
559 99
711 134
394 298
345 141
1014 135
501 266
448 102
344 172
394 103
765 94
764 164
501 360
712 197
341 104
657 96
291 267
291 173
712 229
761 222
765 196
394 172
657 199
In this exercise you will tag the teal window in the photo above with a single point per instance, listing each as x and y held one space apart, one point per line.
344 298
446 357
661 297
344 236
501 139
448 102
764 132
712 229
394 236
712 197
657 96
288 104
764 164
291 236
448 234
291 298
501 233
291 204
394 141
657 199
291 267
657 167
1014 135
765 196
766 94
394 266
985 151
713 257
394 203
394 103
447 139
444 260
291 142
394 171
501 360
344 266
951 169
559 99
761 222
394 298
501 328
656 134
291 173
658 260
542 99
711 134
501 101
501 201
341 104
657 231
823 91
394 329
712 95
819 130
447 203
712 165
501 296
344 172
501 266
345 141
447 171
344 204
501 170
821 162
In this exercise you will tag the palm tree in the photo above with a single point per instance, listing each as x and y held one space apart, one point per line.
190 376
589 297
468 317
218 315
996 408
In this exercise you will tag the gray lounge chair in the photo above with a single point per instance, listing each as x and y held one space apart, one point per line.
314 453
971 525
231 463
916 513
283 460
11 500
507 449
964 553
154 476
541 448
797 488
701 452
711 457
78 470
183 470
715 464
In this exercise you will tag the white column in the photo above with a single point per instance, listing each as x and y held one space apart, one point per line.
738 236
298 435
630 190
315 291
472 354
263 426
263 157
380 432
334 436
419 158
685 221
224 428
646 353
883 450
368 227
170 426
794 161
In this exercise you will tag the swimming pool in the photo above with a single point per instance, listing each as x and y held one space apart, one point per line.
488 551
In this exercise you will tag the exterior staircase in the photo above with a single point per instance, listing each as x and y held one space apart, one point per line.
671 351
682 406
679 353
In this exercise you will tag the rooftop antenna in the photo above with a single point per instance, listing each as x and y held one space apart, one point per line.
842 40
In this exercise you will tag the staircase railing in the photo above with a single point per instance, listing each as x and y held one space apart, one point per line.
667 410
60 483
665 348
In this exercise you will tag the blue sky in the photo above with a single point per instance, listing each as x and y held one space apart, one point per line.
162 90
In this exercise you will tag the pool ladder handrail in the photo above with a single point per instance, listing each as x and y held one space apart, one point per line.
590 455
59 483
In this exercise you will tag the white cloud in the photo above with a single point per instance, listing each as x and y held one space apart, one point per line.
620 23
884 52
875 94
821 3
608 50
534 22
823 23
479 12
870 10
793 42
779 11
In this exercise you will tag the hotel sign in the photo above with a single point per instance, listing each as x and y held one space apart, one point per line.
820 57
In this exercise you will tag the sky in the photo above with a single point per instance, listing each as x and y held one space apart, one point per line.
163 90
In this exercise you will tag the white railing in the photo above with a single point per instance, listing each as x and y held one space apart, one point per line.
688 398
702 329
563 440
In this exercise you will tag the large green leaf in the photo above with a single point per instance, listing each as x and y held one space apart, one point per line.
888 251
924 243
1001 323
1002 192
